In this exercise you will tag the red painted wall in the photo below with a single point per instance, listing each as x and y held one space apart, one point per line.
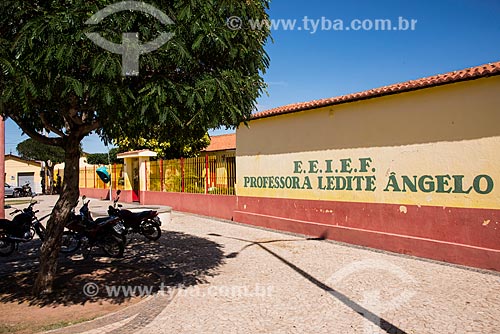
461 236
219 206
468 237
125 195
95 193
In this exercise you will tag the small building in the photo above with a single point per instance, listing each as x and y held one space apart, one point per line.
19 171
222 144
135 173
221 159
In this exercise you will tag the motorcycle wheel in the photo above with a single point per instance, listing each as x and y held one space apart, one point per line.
150 230
6 247
41 231
70 242
16 194
113 245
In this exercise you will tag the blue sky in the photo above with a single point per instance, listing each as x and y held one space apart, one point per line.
449 35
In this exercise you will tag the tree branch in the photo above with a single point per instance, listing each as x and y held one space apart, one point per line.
73 112
87 128
35 135
50 127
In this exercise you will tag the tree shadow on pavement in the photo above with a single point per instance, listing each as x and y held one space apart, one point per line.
377 320
175 259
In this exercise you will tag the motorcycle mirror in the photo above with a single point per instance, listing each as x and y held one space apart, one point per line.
118 192
84 197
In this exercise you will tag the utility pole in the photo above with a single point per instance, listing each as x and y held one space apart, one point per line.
2 167
110 177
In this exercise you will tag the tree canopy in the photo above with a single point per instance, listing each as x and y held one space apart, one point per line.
175 148
57 79
59 86
104 158
51 155
31 149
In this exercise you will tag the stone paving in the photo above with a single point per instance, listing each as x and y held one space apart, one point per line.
274 283
268 282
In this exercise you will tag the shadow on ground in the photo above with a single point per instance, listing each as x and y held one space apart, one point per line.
175 259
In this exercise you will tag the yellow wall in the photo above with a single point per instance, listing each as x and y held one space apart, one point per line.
14 166
218 177
448 136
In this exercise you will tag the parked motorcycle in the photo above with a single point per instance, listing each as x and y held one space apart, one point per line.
24 191
22 228
146 222
85 232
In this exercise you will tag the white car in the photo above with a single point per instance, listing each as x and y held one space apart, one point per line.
9 190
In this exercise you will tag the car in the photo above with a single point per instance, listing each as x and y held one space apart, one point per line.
9 190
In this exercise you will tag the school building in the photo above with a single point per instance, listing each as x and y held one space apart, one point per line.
411 168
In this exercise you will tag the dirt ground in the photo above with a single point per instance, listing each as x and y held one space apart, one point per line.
176 258
23 318
21 313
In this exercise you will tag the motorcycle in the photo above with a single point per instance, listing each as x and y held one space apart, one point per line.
146 222
22 228
85 232
24 191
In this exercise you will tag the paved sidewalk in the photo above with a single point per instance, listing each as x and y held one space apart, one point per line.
270 282
239 279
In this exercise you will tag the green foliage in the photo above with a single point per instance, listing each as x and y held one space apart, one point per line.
103 158
59 86
181 146
31 149
54 78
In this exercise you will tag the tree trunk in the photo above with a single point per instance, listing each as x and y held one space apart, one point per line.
68 198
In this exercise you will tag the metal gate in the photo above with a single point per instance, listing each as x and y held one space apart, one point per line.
23 178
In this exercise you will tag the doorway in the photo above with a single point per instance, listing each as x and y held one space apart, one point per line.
135 180
23 178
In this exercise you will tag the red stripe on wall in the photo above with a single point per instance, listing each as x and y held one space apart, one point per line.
219 206
125 196
94 193
455 225
464 236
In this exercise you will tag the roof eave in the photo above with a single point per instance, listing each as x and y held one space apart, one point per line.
434 81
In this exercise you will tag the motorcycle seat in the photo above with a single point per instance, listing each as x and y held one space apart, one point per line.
102 220
137 216
5 223
17 228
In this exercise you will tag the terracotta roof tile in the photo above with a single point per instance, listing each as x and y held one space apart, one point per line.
132 152
221 143
472 73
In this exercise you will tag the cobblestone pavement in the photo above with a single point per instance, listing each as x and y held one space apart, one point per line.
274 283
271 282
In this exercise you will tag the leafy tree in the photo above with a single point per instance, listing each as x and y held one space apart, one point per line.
185 146
103 158
56 80
50 155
